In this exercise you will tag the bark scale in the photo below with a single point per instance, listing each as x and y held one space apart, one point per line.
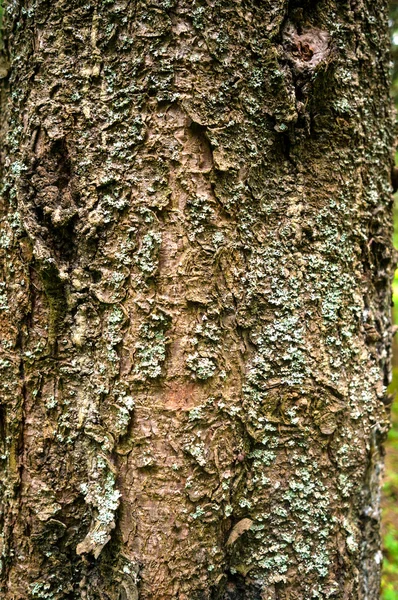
196 254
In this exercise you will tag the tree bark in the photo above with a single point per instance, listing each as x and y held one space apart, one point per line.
196 255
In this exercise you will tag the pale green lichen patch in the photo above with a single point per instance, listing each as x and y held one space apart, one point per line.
150 350
101 494
202 367
203 361
3 297
147 255
199 212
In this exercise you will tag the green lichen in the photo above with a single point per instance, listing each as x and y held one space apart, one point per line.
3 298
151 348
202 367
147 256
101 494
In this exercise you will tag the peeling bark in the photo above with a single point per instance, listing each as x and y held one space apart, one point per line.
196 259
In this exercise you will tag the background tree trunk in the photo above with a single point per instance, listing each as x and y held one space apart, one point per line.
195 300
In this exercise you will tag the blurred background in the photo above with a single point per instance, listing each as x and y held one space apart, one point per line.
390 488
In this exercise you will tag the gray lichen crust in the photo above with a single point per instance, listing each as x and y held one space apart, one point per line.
195 306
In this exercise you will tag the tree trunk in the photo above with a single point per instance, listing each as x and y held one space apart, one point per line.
195 302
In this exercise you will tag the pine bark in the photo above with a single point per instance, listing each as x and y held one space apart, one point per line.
195 301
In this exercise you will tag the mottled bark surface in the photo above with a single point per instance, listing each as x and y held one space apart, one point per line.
195 298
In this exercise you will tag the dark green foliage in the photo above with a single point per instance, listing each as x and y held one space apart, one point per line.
390 488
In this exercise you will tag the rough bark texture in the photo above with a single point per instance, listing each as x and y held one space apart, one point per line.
195 299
